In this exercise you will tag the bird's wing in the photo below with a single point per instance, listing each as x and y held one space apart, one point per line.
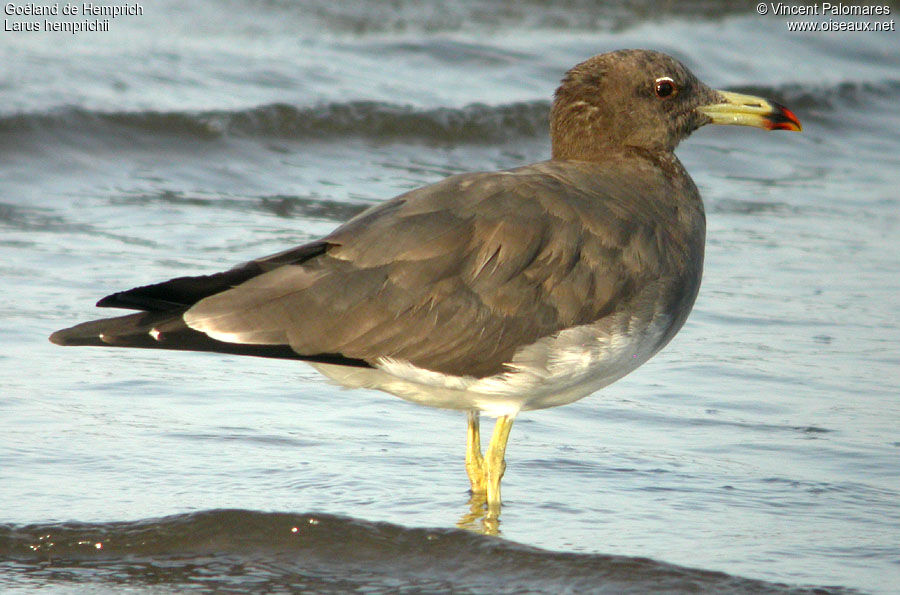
182 292
453 277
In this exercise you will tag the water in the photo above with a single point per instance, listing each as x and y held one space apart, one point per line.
758 452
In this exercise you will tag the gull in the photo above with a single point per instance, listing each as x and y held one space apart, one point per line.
491 292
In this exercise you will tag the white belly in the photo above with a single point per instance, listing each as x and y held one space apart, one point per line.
551 372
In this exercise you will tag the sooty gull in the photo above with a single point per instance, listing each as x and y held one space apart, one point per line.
492 292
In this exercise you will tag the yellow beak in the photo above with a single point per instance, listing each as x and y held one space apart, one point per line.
749 110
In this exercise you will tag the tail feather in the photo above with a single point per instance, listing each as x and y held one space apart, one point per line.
167 330
131 330
161 324
157 330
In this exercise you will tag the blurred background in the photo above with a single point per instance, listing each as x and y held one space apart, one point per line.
757 453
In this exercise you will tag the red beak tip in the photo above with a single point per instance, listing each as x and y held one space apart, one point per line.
784 119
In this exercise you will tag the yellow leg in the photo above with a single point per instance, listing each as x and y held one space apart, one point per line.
474 460
495 464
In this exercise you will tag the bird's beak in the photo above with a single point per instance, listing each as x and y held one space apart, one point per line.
748 110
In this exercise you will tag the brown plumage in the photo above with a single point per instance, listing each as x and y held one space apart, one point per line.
453 277
572 271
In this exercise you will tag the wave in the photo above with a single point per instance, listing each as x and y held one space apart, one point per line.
241 550
476 123
367 119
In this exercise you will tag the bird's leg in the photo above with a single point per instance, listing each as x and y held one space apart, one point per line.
474 460
495 464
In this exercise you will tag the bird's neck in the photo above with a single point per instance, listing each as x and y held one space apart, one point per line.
663 159
599 148
582 131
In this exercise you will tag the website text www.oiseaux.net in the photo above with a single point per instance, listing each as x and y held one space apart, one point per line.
828 9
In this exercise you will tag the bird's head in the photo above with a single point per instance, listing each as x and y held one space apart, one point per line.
648 100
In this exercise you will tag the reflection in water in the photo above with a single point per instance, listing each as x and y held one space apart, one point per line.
477 519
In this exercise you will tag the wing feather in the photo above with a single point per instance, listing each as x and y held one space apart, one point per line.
457 276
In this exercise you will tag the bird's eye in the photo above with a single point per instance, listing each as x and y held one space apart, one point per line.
666 88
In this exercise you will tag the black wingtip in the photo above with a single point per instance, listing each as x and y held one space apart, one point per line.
76 335
58 338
